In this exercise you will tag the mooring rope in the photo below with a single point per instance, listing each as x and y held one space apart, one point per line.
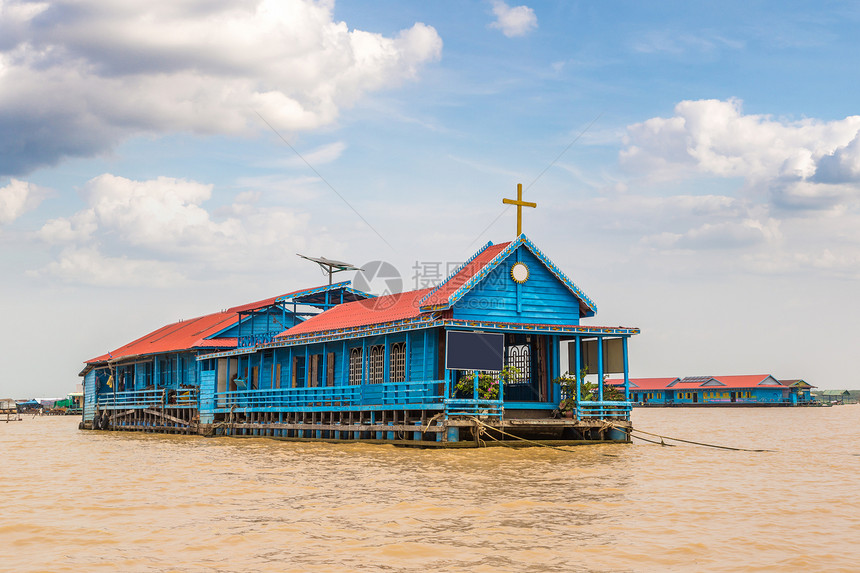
631 430
430 422
483 427
482 424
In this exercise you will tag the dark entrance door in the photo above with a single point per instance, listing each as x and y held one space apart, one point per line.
734 396
523 352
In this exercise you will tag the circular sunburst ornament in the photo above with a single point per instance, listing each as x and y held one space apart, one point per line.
520 273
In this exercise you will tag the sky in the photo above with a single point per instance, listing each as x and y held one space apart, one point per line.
696 166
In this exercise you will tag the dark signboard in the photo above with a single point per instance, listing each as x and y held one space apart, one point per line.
474 351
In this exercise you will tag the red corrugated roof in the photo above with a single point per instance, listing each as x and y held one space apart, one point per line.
449 287
745 381
262 303
645 383
187 334
182 335
377 310
730 382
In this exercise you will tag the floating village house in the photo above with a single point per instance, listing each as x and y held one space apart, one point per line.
744 390
335 363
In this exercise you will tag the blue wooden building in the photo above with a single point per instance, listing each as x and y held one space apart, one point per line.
334 363
742 390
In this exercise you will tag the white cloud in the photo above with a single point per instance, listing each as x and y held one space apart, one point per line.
164 223
719 235
319 156
814 161
160 213
797 187
98 72
513 21
89 266
678 43
17 198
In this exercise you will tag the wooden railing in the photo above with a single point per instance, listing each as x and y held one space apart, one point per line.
176 397
604 410
395 394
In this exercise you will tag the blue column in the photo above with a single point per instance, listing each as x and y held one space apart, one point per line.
555 370
386 362
578 370
407 359
424 359
447 386
600 368
363 361
344 361
324 376
626 370
307 366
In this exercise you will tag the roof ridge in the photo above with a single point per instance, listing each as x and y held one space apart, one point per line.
478 277
456 272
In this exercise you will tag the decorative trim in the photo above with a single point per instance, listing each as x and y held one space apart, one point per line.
503 254
541 328
514 268
424 322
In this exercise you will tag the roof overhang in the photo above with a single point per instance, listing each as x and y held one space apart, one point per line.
429 321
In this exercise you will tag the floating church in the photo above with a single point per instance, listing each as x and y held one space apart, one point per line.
495 354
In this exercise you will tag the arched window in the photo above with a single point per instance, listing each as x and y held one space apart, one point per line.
520 357
355 359
397 362
376 365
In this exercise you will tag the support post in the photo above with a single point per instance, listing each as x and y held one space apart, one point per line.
627 371
600 369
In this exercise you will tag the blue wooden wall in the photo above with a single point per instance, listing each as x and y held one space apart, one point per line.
207 396
422 362
542 299
262 322
89 395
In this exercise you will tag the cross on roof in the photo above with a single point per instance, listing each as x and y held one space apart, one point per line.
520 204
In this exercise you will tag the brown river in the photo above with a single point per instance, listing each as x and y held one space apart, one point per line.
96 501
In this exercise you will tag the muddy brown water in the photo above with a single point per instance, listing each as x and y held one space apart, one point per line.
97 501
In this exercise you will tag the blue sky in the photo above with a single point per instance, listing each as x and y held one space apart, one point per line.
696 166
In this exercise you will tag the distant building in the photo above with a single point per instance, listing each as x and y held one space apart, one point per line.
799 391
835 396
745 390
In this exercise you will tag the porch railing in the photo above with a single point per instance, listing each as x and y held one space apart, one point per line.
176 397
605 409
417 394
470 407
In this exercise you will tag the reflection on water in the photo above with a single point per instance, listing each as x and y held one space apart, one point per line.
110 501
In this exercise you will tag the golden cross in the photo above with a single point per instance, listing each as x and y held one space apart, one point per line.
520 204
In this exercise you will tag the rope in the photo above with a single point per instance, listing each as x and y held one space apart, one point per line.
630 431
430 422
480 423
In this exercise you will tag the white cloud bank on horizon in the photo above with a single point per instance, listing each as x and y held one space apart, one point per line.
159 233
78 77
514 21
